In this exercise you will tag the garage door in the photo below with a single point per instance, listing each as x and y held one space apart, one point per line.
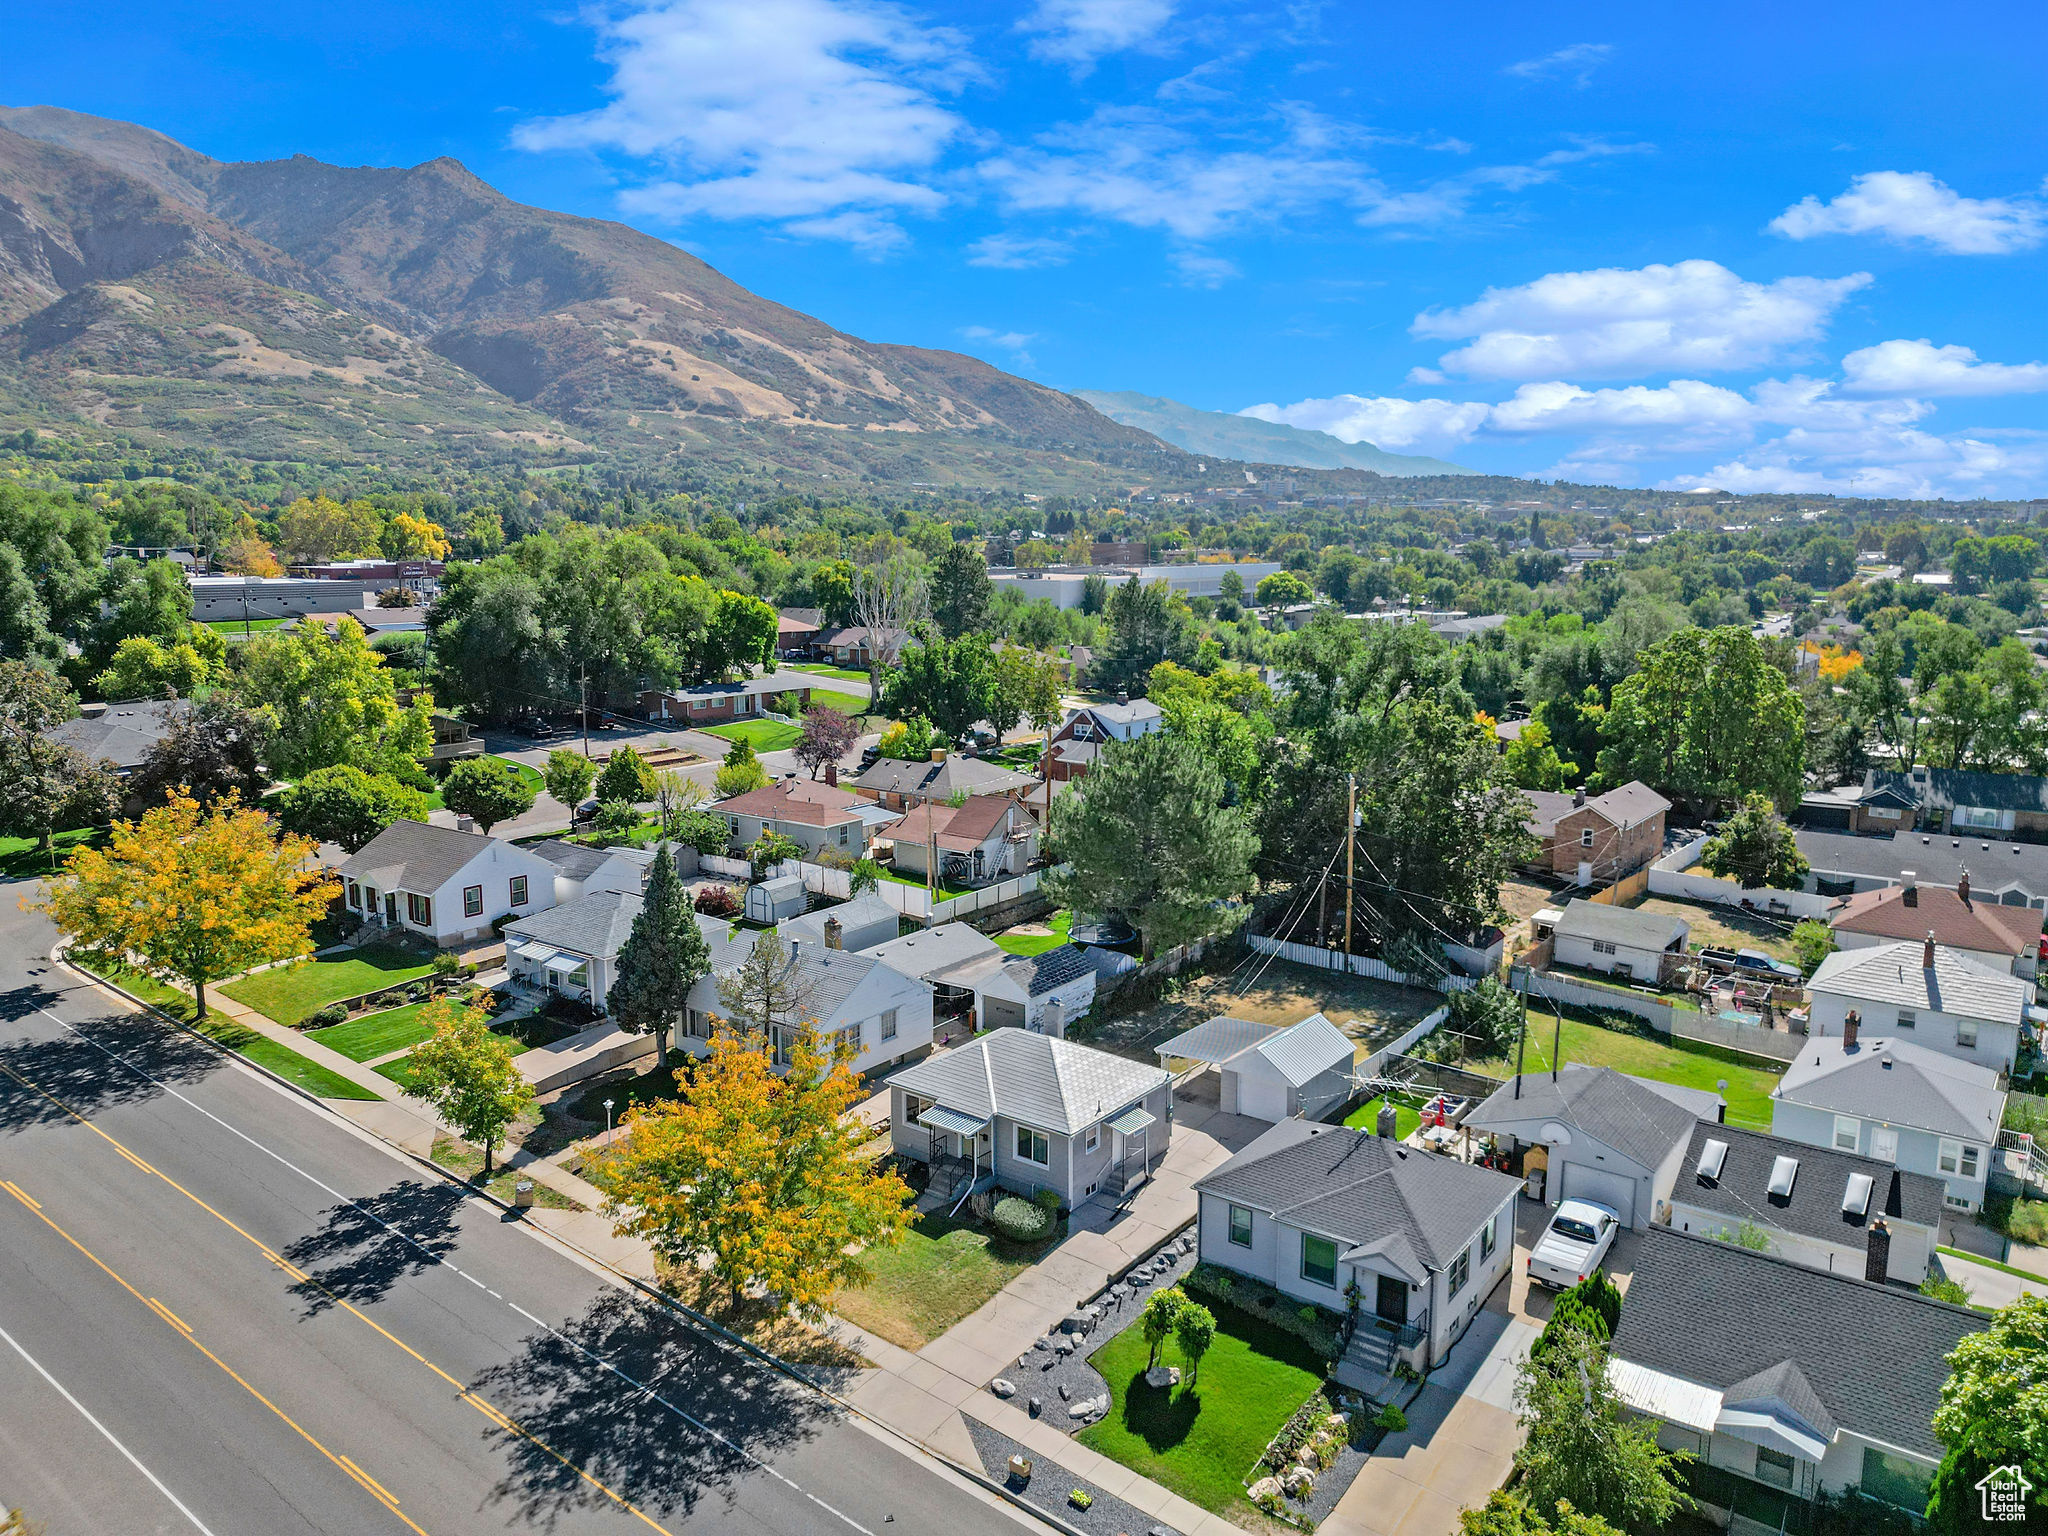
1261 1099
1613 1190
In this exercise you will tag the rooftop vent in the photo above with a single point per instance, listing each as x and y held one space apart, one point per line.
1713 1157
1783 1171
1856 1197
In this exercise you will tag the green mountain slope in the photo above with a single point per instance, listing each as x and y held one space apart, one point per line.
1218 434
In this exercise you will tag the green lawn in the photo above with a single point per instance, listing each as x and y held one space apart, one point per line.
291 993
918 881
234 626
941 1271
1200 1440
21 858
466 1162
1038 943
261 1049
1407 1118
400 1071
819 669
846 703
1680 1062
375 1034
528 775
766 735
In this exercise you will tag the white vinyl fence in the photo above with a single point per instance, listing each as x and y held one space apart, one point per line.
1372 1066
1668 878
910 900
1353 965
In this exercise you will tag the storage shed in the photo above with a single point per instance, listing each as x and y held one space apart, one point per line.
1268 1071
770 901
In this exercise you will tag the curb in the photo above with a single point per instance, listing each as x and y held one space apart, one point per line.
695 1318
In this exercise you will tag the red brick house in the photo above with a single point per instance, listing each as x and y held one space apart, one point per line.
1596 839
717 703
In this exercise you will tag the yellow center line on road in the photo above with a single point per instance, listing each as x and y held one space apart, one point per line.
502 1421
164 1313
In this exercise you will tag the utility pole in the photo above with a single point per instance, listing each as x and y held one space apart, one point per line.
583 706
1521 1040
1350 845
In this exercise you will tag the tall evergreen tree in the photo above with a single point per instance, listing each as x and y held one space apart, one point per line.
661 960
961 590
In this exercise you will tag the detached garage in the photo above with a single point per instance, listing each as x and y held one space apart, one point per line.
1608 1137
1617 941
1267 1071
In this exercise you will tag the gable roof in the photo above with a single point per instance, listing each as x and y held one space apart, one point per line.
1894 974
414 856
1215 1040
1302 1052
597 925
1639 1119
1051 1085
1626 806
1136 712
572 861
1733 1320
861 912
1814 1208
937 781
1899 1082
959 828
810 801
1981 925
1637 928
1035 975
1367 1192
122 734
1943 789
1934 858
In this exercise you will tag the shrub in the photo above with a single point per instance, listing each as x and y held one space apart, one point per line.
718 901
1314 1327
447 963
332 1014
1391 1418
418 992
1300 1427
388 1000
1049 1198
1080 1498
1021 1220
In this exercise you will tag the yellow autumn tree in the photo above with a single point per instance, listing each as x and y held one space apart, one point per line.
191 894
245 551
761 1171
319 528
407 537
1832 661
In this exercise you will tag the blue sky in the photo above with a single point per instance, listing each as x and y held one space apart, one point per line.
1796 248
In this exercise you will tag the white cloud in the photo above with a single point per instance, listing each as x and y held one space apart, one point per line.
1078 32
1615 322
1911 206
1685 404
820 111
1018 252
1904 463
1388 423
1579 60
1016 343
1921 368
1452 197
1200 270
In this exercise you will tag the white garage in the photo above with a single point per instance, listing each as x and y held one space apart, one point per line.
1616 1191
1267 1071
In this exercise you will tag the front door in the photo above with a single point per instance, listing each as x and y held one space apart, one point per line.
391 906
1884 1143
1392 1303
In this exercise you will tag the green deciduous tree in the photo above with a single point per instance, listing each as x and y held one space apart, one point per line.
1507 1513
1282 587
1157 1321
143 668
1993 1413
214 749
329 700
568 776
662 959
1756 848
741 773
1194 1330
627 777
488 790
468 1075
345 805
1583 1448
1532 762
949 682
1026 685
45 785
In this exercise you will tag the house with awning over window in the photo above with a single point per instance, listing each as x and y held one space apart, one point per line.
442 884
1029 1112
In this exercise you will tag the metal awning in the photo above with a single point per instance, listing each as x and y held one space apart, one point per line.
567 964
534 949
940 1118
1130 1121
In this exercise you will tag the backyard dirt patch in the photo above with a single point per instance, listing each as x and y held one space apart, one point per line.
1726 928
1274 992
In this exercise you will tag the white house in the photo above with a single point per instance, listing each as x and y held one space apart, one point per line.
1604 1136
1898 1102
1998 937
1789 1380
1125 720
991 837
444 885
1267 1071
883 1015
1619 940
859 924
581 870
1410 1241
573 949
1923 993
1817 1206
816 815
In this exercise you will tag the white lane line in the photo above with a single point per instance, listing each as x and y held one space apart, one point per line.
106 1433
433 1257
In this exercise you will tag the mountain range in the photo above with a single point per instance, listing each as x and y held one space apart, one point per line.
1220 435
294 310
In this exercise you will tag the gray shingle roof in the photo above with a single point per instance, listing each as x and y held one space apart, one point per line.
1052 1085
1636 928
935 950
1899 1082
861 912
596 925
122 734
1893 973
1815 1207
1641 1120
414 856
1934 859
1945 788
573 861
1366 1191
939 780
1726 1316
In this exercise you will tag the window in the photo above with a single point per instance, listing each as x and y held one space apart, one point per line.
355 894
519 890
420 909
1585 837
1908 1019
1957 1158
1773 1467
850 1038
1848 1132
1602 947
1895 1480
1966 1034
889 1024
697 1025
1318 1260
1488 1241
472 901
1241 1225
842 837
1092 1139
1032 1147
1461 1271
1969 1162
1976 816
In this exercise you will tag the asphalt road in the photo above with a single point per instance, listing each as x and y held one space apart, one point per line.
222 1311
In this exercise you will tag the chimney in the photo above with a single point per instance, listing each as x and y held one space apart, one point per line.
1851 1022
1927 952
465 823
832 774
1578 797
1910 882
1963 886
92 709
938 754
1122 697
1389 1121
834 934
1877 1253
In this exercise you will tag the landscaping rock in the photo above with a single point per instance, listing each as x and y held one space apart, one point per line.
1089 1407
1265 1487
1065 1346
1037 1406
1306 1456
1076 1322
1298 1482
1064 1392
1003 1388
1163 1376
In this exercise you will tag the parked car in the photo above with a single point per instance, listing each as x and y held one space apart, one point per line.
1749 962
1574 1244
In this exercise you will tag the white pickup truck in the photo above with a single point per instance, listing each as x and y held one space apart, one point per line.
1574 1244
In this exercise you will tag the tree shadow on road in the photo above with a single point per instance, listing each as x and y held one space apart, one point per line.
354 1255
79 1072
646 1450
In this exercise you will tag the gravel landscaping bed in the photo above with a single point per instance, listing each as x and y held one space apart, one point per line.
1051 1484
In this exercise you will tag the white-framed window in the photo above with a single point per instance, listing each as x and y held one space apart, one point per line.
1966 1034
1461 1271
1908 1019
1092 1138
1977 816
1585 837
1848 1132
518 890
1032 1147
1241 1225
355 895
1602 947
472 901
889 1024
1488 1241
850 1038
419 909
842 837
1318 1260
1958 1158
1969 1161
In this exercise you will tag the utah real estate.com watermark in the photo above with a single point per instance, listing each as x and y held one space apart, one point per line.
2004 1491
